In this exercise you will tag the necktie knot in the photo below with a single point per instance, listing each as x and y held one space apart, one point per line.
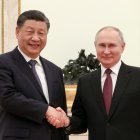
108 71
32 62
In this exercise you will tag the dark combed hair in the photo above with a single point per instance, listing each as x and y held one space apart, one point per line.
32 15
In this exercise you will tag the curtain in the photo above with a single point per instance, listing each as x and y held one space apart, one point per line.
9 14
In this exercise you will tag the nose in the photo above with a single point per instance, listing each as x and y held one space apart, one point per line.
35 37
107 50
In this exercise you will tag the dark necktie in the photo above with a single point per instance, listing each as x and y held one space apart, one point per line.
107 90
32 63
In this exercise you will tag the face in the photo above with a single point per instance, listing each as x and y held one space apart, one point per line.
32 37
109 47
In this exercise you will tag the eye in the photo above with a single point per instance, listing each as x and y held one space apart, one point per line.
41 33
112 45
29 31
101 45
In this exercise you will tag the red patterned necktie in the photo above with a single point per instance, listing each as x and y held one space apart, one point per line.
107 90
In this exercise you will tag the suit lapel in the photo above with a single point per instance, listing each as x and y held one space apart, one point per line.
49 78
121 83
21 62
98 90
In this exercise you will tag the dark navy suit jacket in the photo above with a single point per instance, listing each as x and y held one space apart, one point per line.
22 102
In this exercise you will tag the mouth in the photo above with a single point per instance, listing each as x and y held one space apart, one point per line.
107 58
34 46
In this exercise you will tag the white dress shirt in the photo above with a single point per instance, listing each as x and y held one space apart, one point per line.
40 72
114 74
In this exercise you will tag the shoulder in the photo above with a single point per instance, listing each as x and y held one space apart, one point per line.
5 55
5 58
129 68
49 64
95 73
8 56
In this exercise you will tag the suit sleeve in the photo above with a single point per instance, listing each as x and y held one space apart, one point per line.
78 120
64 103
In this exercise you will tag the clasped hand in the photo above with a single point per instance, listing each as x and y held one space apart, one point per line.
57 117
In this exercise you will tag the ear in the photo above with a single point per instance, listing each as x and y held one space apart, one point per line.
17 32
123 47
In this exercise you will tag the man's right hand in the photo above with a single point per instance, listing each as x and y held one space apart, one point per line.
57 117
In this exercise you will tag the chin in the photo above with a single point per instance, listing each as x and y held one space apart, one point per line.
107 65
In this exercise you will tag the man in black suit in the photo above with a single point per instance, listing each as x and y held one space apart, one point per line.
25 102
121 121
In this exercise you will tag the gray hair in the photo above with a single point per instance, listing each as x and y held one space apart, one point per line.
110 27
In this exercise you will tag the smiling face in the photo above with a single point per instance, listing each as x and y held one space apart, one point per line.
109 47
32 37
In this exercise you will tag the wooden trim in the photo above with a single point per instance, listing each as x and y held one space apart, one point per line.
2 26
19 7
70 95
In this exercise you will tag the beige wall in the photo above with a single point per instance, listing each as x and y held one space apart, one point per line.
75 22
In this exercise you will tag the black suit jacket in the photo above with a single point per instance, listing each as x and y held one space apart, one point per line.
22 102
88 111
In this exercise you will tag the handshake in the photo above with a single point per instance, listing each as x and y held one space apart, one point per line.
57 117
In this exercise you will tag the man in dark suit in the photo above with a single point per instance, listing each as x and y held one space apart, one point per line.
121 119
25 101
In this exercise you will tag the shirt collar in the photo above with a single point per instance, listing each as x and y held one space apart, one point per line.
115 68
28 58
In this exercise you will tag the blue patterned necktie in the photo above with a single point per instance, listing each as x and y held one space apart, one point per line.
32 63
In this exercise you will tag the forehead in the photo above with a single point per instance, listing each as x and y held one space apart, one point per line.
35 24
108 32
109 35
